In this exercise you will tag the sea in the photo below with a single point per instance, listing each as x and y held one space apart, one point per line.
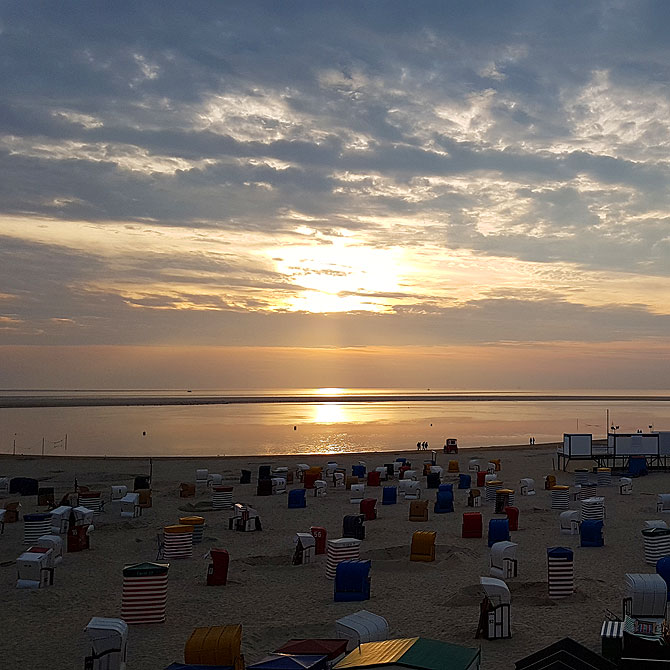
309 424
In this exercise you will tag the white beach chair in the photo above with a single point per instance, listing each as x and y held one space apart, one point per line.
338 479
527 486
300 470
569 522
625 486
663 502
214 479
412 490
503 564
474 465
106 644
357 493
320 487
409 474
118 492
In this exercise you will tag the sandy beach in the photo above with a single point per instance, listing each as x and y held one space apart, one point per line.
275 601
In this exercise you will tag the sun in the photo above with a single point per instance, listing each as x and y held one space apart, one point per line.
340 277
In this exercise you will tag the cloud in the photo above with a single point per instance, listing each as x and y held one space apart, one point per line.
523 134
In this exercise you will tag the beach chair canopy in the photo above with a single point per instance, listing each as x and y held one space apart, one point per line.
496 590
361 627
647 594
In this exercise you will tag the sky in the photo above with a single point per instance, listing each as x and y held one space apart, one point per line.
371 194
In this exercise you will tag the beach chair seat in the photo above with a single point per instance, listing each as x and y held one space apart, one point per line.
423 546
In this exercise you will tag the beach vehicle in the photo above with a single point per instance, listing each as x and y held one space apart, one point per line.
450 446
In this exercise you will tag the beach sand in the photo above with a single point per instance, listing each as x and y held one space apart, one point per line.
275 601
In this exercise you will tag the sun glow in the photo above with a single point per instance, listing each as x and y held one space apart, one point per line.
330 412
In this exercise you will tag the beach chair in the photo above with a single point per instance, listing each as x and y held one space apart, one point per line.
310 476
560 572
591 533
411 489
320 539
464 481
663 502
418 510
145 497
352 581
357 493
368 508
106 644
409 474
423 546
215 646
444 502
512 517
279 485
374 478
491 468
245 477
350 481
475 498
549 482
320 487
361 627
338 480
217 570
118 492
201 475
12 512
214 479
300 470
625 486
296 499
264 487
474 465
383 474
503 564
453 466
494 612
389 495
472 524
130 505
304 549
432 480
353 526
498 531
358 471
527 486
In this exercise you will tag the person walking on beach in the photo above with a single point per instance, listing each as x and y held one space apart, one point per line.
418 446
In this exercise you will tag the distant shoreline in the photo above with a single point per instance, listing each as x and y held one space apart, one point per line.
36 401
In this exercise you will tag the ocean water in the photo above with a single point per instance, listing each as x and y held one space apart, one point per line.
312 427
